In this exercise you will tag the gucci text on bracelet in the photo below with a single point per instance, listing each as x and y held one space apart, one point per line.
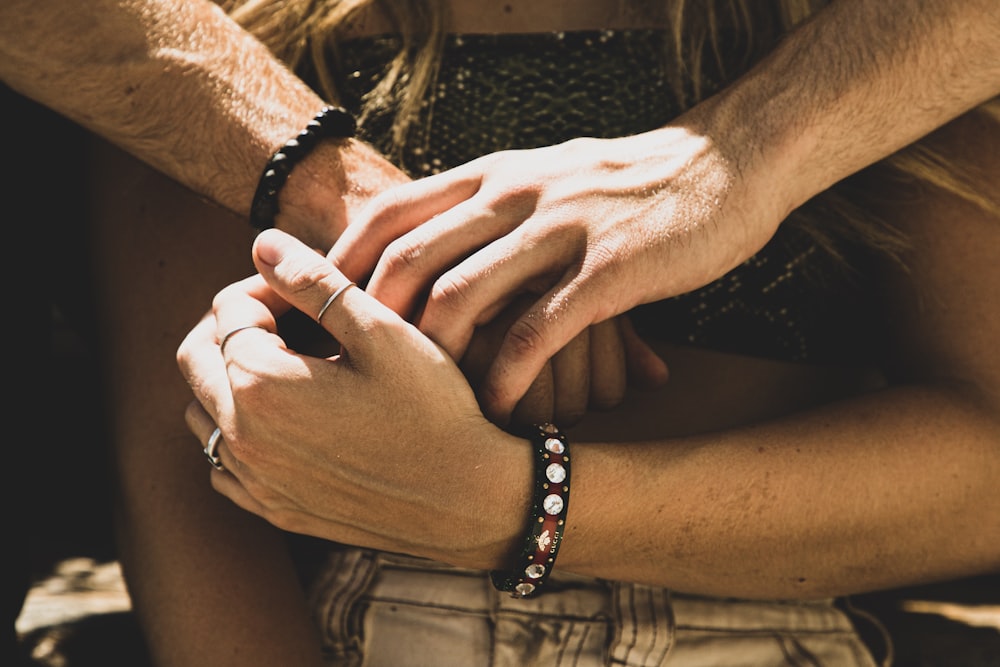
329 123
548 516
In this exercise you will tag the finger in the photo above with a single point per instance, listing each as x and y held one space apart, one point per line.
205 370
204 428
410 264
394 213
235 479
246 314
226 481
537 405
232 333
571 379
607 365
244 305
477 288
547 326
312 284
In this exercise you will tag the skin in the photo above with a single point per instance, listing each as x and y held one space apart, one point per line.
245 110
167 206
190 557
184 554
793 494
600 226
175 60
167 233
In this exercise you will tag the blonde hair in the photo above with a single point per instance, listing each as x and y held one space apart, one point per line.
305 34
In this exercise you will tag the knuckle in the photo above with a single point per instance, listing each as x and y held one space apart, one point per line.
375 332
490 161
519 197
602 257
184 355
449 293
269 503
385 204
300 280
244 455
402 255
249 389
525 338
224 295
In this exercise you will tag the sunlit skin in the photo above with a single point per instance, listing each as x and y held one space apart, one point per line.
193 557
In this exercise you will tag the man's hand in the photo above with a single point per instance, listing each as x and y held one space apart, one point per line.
584 230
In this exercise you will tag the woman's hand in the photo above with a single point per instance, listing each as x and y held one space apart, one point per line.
380 446
591 227
590 372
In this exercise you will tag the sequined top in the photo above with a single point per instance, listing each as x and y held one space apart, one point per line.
789 302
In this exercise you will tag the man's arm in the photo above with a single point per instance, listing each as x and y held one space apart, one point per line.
180 85
616 223
854 83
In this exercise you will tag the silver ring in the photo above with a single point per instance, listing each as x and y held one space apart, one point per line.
225 339
333 297
211 449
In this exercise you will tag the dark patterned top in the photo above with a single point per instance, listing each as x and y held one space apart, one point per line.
791 301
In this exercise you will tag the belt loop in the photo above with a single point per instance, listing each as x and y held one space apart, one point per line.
644 622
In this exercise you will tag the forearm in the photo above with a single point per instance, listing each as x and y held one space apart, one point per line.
856 82
184 88
139 73
879 491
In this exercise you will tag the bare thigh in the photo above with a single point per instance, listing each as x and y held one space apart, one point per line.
188 553
161 254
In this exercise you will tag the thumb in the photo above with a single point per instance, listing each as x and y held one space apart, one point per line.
313 285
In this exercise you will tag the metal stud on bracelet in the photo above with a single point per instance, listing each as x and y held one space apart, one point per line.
329 123
548 516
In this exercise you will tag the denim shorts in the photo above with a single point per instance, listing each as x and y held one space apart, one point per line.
385 610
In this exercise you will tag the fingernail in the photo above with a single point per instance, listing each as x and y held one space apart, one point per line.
267 248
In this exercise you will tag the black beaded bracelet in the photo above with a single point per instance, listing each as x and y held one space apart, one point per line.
548 516
329 123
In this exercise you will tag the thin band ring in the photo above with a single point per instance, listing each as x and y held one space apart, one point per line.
225 339
333 297
212 449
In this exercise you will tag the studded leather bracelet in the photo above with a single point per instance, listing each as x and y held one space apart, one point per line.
329 123
548 516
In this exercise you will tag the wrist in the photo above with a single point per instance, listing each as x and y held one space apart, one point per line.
329 188
762 152
535 559
330 122
496 499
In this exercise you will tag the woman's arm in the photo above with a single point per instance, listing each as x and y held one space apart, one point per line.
889 488
886 489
